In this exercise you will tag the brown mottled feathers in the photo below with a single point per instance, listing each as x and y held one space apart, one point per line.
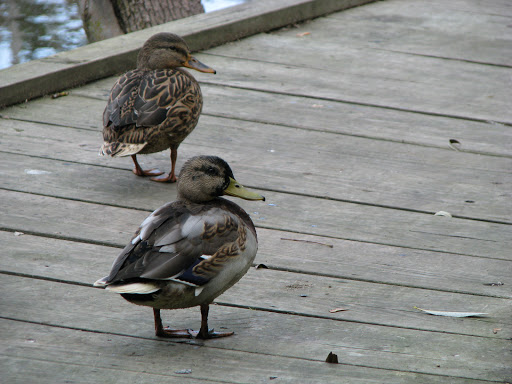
159 108
210 267
155 109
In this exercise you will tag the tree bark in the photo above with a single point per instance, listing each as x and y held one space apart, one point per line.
134 15
99 20
16 34
108 18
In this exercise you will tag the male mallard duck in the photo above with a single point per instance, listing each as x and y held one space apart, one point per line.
188 252
155 106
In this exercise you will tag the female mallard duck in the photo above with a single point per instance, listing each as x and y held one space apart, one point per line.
188 252
155 106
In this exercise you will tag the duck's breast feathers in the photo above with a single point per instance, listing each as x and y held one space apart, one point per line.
173 241
148 98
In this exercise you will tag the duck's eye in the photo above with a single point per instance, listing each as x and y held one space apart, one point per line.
212 171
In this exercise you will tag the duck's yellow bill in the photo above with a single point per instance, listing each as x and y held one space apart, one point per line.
236 189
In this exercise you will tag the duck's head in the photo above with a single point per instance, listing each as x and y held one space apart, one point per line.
203 178
167 50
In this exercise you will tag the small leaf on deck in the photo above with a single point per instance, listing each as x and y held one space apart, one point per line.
452 314
303 34
496 284
332 358
308 241
36 172
59 94
338 310
443 213
183 371
455 144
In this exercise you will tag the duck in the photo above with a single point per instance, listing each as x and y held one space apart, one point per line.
155 106
189 251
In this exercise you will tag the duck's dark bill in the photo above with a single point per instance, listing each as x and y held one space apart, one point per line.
236 189
198 66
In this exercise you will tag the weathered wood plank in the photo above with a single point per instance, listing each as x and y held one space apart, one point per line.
486 7
367 303
275 47
379 263
475 187
355 120
463 29
107 57
58 113
355 344
40 369
67 260
478 92
38 355
64 219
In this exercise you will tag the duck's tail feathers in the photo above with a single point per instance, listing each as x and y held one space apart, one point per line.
117 149
102 283
141 288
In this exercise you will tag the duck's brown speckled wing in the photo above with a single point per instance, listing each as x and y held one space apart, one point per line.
167 100
173 241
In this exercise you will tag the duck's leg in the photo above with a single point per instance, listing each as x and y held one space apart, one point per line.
160 331
140 172
171 177
204 332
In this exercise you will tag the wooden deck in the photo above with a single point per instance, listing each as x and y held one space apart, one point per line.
344 124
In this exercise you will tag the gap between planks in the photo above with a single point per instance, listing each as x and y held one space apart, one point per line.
360 136
251 308
363 104
445 58
254 265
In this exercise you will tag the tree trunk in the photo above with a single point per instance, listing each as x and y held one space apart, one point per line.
134 15
16 34
99 20
107 18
